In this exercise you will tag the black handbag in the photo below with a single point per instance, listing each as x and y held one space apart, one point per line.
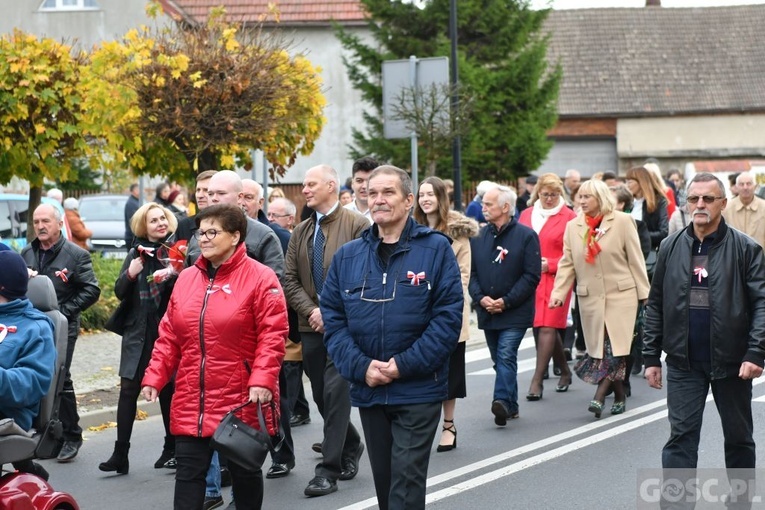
238 442
116 323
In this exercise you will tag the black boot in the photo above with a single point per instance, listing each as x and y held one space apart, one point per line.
119 460
168 454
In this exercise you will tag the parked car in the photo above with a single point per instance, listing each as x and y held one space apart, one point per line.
104 215
13 218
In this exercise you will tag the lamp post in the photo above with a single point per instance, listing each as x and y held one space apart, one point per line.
455 104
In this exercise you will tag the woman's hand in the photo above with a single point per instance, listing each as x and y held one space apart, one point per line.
545 266
258 394
150 393
135 268
555 303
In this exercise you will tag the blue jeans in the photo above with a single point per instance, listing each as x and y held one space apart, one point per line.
686 395
503 347
212 479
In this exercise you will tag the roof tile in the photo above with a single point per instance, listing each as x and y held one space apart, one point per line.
650 61
291 11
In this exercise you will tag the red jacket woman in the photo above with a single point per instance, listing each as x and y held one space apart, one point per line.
222 335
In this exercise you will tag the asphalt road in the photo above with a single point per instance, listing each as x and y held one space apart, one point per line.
555 456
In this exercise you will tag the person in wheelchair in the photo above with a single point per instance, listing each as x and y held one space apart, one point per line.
27 352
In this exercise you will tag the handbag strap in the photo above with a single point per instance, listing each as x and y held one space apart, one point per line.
262 423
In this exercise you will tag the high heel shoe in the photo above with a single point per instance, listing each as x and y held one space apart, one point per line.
533 397
596 407
448 447
618 407
563 388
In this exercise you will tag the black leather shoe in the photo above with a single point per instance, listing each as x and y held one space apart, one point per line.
280 470
69 451
211 503
351 464
501 412
316 447
320 486
299 419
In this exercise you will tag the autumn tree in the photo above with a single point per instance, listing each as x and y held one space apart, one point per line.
503 69
40 112
201 97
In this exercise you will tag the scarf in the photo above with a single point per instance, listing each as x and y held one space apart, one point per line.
150 292
540 215
590 239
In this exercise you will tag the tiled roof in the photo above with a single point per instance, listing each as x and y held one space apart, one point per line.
658 61
291 11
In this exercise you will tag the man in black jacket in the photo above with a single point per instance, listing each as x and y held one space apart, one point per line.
706 310
506 268
71 270
131 206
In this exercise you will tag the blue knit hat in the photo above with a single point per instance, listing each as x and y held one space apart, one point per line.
14 277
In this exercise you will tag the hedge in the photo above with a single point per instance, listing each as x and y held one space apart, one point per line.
107 270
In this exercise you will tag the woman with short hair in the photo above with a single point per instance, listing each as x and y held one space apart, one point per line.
223 334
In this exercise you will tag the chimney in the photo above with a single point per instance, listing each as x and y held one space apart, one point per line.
653 3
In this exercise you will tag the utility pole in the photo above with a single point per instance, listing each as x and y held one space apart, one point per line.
455 105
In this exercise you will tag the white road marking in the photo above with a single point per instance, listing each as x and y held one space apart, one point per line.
542 457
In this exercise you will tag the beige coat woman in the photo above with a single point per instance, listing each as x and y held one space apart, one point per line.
609 289
461 229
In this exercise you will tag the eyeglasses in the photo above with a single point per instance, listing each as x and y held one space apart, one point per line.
706 198
549 195
381 300
210 234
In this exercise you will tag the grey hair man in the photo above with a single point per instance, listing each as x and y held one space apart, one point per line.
505 270
311 247
70 268
571 180
706 311
746 212
253 200
282 212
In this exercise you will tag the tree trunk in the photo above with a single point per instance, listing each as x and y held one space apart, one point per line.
430 168
35 197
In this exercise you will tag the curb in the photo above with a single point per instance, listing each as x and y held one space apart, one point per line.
107 414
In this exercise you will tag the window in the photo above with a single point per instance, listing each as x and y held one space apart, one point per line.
68 5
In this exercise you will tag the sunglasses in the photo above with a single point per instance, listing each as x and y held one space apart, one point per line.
706 198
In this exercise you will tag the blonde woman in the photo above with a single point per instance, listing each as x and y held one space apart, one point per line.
548 215
601 251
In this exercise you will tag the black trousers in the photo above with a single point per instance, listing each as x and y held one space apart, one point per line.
296 401
67 412
399 440
332 396
193 455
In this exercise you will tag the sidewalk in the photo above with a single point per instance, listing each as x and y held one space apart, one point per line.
95 368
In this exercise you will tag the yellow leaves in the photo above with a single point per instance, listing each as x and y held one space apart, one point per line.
232 44
39 129
103 426
227 161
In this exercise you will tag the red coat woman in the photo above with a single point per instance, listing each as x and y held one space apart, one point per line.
548 215
223 336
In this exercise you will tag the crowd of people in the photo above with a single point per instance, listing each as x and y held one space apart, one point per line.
232 304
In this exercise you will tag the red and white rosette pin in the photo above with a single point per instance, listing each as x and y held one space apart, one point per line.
701 272
4 330
63 275
501 255
414 278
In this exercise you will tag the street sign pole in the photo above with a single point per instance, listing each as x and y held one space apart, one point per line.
413 136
